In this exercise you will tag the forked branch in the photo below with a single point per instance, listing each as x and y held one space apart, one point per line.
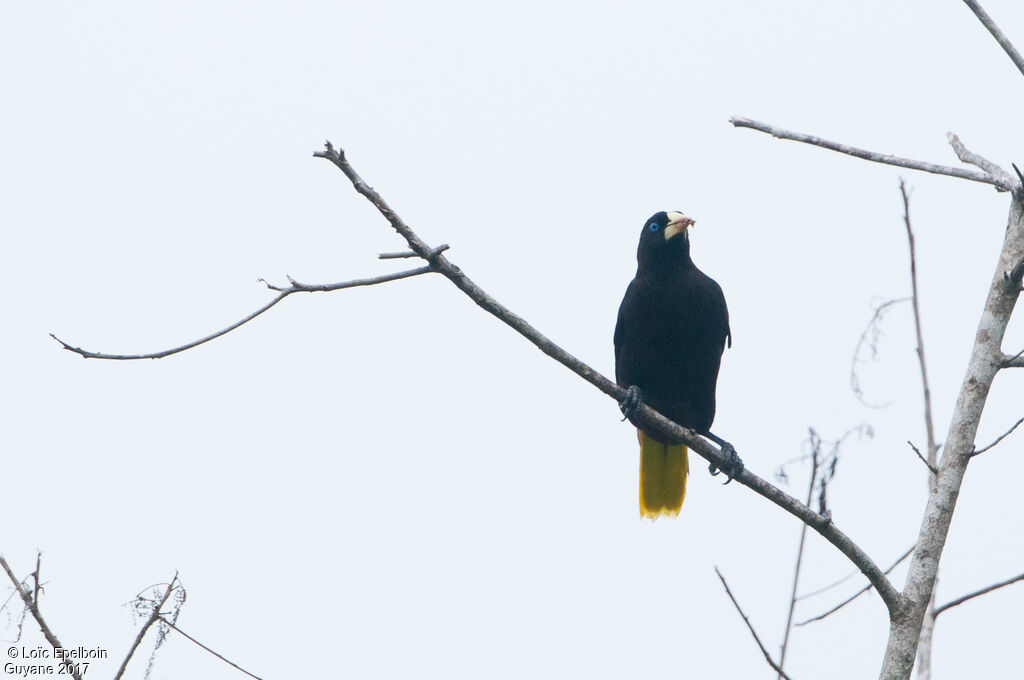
853 597
999 438
658 423
150 620
32 604
1001 182
283 292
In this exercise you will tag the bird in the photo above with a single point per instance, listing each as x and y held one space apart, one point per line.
670 334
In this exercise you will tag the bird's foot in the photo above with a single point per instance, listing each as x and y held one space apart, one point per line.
631 403
733 463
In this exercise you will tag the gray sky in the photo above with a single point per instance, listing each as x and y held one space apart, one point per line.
387 482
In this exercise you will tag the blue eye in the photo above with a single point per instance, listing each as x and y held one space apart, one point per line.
653 226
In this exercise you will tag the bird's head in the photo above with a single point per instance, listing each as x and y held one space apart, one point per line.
664 241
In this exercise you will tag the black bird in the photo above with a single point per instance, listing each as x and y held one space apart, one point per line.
672 328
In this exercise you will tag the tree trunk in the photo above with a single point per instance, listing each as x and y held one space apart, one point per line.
986 360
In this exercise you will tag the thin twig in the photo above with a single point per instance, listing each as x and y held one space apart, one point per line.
869 336
284 292
1000 37
963 173
36 583
816 444
767 656
846 578
924 460
26 597
860 592
978 593
145 627
650 417
916 304
999 438
197 642
408 253
830 586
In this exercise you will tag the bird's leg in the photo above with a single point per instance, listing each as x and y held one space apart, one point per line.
733 465
631 403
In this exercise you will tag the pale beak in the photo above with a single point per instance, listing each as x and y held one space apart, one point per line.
677 224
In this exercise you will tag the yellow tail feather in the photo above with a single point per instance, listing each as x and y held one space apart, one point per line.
663 470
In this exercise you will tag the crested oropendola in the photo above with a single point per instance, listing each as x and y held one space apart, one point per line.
672 328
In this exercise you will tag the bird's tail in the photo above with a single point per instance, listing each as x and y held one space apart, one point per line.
663 470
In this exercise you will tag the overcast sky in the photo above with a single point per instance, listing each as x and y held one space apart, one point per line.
387 482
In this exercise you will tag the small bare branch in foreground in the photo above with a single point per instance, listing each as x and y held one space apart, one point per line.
999 438
767 656
934 470
815 452
978 593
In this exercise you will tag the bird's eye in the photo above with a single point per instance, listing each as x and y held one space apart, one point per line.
653 226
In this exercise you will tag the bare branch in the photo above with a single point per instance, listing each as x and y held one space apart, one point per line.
33 607
36 583
933 448
830 586
767 656
1000 37
978 593
815 450
1016 361
200 644
999 438
658 423
860 592
887 159
145 627
924 460
839 582
408 253
968 156
869 338
284 292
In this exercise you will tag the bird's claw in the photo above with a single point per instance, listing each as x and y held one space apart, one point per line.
733 465
630 403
